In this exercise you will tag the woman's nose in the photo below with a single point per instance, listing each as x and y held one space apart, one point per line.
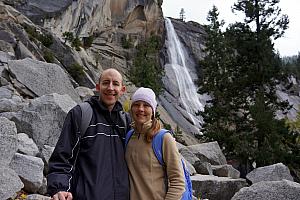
141 107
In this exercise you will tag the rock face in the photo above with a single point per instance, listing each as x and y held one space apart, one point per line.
191 35
42 78
86 17
174 98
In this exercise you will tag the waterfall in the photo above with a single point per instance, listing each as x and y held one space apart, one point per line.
188 96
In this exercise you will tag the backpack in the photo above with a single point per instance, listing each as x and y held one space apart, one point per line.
157 148
86 116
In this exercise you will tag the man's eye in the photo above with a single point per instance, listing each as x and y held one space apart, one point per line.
116 83
105 83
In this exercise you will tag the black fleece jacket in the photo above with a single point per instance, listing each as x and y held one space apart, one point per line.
91 166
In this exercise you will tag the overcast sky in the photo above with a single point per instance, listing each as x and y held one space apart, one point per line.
197 10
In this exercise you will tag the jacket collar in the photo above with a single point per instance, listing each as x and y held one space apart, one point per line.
95 101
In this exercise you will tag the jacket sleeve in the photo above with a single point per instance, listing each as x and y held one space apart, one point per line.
174 168
62 160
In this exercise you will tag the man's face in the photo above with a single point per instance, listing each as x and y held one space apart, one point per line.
110 87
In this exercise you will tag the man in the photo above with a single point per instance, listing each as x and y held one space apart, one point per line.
92 166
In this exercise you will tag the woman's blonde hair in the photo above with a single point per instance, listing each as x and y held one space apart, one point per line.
156 126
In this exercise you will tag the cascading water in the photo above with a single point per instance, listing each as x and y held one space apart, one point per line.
188 95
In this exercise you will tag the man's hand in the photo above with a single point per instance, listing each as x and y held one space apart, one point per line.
62 196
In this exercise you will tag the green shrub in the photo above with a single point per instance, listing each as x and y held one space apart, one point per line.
31 31
46 39
76 43
48 56
68 36
126 43
76 71
88 41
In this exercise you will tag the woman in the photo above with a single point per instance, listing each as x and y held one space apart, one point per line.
148 178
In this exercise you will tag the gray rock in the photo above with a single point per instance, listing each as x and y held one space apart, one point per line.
7 37
171 105
48 78
26 145
225 171
209 152
37 197
270 190
30 170
216 188
43 188
5 93
46 154
10 183
189 167
23 52
68 57
6 47
203 168
188 155
84 92
274 172
43 118
8 141
4 57
9 105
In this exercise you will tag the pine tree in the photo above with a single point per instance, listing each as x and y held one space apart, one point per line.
269 24
241 71
146 71
182 14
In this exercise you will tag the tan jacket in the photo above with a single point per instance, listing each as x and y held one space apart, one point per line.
147 176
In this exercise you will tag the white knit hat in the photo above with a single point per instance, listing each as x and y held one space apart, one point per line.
147 95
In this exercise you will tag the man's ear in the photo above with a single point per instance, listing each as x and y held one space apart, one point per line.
97 87
123 90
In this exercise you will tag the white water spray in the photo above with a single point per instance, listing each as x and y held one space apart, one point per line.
177 60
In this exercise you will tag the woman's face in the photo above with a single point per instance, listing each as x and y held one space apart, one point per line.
141 112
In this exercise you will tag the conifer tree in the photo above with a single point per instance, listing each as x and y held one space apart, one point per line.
265 16
146 71
241 71
182 14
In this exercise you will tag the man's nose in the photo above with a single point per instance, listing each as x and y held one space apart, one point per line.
110 86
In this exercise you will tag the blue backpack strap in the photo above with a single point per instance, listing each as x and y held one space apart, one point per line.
157 143
188 193
128 136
